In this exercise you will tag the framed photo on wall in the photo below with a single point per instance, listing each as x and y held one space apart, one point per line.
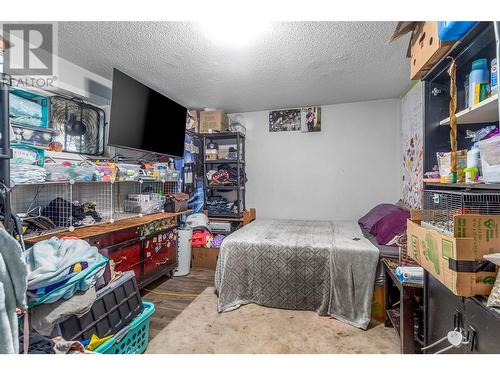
311 119
285 120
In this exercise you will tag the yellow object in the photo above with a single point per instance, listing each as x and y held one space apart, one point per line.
95 341
477 93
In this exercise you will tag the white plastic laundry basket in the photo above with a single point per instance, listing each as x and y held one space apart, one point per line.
184 249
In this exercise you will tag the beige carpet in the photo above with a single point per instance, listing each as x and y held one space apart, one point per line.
255 329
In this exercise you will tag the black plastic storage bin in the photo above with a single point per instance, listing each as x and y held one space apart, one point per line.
116 305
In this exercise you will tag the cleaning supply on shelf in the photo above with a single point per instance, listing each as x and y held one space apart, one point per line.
466 92
470 175
472 170
481 92
494 77
473 157
478 75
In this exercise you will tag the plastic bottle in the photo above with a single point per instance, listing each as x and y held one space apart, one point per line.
479 74
473 157
494 77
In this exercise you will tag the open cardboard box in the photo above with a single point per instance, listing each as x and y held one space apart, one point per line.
457 261
425 48
205 257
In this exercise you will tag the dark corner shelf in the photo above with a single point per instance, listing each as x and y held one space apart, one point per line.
235 217
224 161
463 186
223 135
395 319
225 187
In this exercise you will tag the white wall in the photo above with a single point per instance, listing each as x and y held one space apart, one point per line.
336 174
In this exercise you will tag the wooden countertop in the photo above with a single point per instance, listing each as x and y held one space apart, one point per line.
99 229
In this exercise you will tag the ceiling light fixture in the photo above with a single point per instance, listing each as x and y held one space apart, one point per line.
233 33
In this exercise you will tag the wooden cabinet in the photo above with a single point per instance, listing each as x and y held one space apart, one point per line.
114 238
127 256
146 245
150 249
160 253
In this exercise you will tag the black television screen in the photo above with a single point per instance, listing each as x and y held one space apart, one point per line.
144 119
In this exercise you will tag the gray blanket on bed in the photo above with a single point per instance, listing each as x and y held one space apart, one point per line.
327 267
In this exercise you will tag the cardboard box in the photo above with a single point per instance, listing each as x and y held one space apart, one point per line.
426 49
213 122
211 157
453 260
205 257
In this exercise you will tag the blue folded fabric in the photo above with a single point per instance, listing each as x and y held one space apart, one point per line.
59 268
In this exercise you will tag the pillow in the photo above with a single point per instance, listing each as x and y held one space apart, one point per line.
375 214
391 226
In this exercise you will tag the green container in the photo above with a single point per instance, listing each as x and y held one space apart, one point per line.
132 339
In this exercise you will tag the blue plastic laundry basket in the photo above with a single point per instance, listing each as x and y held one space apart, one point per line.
133 339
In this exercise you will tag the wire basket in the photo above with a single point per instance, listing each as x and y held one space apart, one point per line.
440 207
52 206
43 207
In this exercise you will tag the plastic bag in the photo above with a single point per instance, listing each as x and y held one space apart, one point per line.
479 134
444 163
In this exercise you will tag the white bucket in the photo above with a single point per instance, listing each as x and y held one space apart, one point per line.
184 251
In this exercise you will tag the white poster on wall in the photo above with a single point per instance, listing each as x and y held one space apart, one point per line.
412 118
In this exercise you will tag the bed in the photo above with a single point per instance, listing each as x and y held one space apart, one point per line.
385 251
323 266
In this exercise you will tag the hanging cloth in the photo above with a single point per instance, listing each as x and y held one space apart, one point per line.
13 286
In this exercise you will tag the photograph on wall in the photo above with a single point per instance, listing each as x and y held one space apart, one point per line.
285 120
311 119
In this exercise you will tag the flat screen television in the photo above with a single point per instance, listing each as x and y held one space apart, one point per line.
143 119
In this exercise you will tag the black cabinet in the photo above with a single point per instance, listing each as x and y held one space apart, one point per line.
485 322
445 312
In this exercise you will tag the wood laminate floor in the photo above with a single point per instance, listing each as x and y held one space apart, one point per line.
167 306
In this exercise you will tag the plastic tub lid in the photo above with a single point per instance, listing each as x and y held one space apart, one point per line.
480 64
496 138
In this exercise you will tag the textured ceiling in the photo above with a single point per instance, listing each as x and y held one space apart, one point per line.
290 64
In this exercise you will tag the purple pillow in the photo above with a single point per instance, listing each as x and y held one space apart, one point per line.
390 226
375 214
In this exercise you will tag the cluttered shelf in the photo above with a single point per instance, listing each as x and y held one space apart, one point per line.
224 134
225 187
485 111
224 161
99 229
392 267
473 186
